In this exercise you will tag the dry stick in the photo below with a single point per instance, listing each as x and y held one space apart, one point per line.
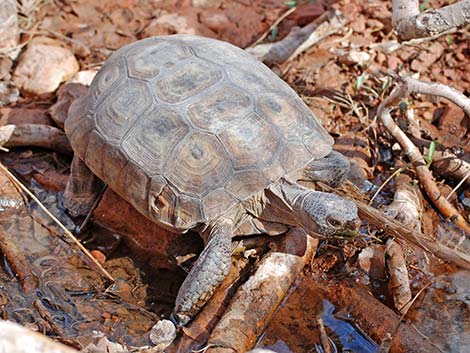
38 135
66 231
424 175
279 20
247 315
410 24
436 89
396 229
280 51
385 183
457 186
445 162
334 25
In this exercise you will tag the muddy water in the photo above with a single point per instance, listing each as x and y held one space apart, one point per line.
46 284
438 321
296 327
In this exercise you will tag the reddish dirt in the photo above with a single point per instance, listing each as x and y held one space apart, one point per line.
342 93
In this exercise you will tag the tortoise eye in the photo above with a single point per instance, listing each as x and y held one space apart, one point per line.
333 222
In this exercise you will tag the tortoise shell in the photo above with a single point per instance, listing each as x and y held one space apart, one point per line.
185 127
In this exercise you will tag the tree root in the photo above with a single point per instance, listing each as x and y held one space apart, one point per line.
424 175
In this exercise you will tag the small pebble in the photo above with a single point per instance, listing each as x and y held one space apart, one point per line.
162 334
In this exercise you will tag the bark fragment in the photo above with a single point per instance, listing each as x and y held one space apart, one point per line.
256 301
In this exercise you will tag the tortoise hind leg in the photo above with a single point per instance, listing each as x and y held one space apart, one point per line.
331 170
208 272
82 189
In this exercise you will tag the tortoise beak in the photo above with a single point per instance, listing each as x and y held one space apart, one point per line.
349 229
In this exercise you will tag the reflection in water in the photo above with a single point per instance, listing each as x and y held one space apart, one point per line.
351 338
46 285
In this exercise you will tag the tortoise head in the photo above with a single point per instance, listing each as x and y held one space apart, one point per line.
330 214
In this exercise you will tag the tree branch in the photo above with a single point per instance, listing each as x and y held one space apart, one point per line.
410 24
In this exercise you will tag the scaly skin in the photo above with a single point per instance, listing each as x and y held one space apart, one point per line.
209 270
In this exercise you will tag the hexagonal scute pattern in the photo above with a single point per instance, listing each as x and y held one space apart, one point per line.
184 127
186 80
123 107
150 141
188 212
218 52
247 183
294 120
220 108
251 142
200 165
148 61
109 76
217 202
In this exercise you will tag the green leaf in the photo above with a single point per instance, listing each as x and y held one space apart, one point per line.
360 81
274 33
424 5
290 3
386 83
431 152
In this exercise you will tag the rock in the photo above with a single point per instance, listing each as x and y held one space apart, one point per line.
173 23
17 339
9 33
216 20
105 345
98 255
427 57
151 241
42 67
354 57
306 13
5 66
162 334
84 77
8 93
206 3
66 95
19 116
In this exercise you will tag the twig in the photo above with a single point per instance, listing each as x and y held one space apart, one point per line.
66 231
409 23
399 282
399 170
278 52
276 23
247 316
395 228
335 23
424 175
437 89
458 185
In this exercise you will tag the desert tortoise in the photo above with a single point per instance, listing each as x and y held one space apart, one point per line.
197 134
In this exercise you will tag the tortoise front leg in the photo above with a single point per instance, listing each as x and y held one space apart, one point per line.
331 170
82 188
208 272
